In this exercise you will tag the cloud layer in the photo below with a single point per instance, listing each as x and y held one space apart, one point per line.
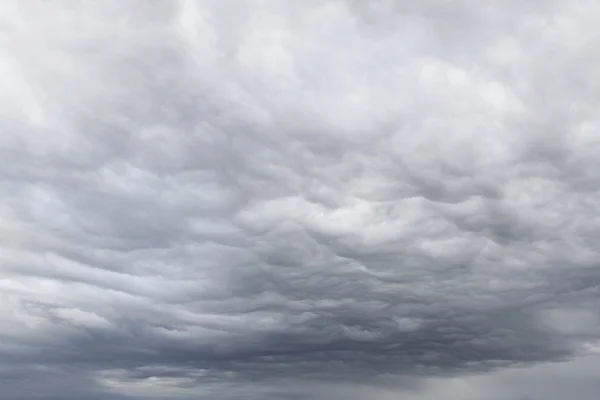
282 199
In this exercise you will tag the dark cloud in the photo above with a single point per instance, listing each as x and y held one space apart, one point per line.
311 200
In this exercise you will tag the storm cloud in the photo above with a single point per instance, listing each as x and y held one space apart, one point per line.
299 200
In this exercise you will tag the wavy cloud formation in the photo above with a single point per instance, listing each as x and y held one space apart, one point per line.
316 199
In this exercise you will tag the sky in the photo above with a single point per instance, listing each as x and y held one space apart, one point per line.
298 200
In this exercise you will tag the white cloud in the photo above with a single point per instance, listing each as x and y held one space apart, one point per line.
279 198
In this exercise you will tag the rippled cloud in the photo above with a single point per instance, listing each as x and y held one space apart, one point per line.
299 200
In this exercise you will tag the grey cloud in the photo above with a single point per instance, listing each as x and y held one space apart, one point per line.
212 199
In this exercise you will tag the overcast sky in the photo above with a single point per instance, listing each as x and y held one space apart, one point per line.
280 199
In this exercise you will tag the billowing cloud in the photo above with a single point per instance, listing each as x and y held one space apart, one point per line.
224 199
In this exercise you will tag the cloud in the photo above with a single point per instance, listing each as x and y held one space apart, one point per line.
285 200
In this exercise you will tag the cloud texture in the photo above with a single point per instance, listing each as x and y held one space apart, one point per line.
315 199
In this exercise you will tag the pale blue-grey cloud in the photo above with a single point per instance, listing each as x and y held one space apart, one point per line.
295 200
